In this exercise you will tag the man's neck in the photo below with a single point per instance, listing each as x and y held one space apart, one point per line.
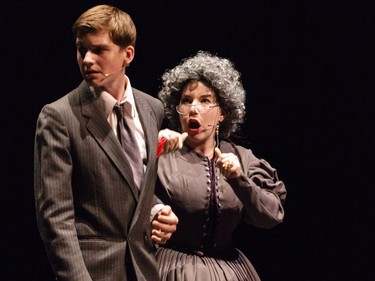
117 89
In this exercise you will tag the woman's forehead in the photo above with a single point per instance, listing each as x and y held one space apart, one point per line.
198 89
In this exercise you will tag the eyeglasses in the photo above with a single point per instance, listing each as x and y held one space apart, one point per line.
201 108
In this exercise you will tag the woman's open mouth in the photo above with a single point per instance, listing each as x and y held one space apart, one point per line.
194 125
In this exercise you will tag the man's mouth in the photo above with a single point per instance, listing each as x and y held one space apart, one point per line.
88 72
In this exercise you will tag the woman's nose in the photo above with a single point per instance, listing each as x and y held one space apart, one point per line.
193 108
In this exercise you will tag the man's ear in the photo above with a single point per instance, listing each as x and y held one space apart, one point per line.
129 53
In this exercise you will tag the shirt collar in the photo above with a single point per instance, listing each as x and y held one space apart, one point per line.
107 101
129 99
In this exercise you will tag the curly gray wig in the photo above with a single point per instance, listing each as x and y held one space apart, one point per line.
219 74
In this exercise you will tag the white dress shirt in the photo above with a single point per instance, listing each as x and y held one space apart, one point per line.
107 102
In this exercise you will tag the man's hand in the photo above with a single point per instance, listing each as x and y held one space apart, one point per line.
228 164
170 140
163 225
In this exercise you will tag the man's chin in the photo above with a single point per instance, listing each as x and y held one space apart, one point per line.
93 83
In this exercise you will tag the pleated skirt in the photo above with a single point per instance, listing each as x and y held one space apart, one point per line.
178 266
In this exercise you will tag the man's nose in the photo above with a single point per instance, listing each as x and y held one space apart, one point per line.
88 57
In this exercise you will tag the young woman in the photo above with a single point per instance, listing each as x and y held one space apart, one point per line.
211 184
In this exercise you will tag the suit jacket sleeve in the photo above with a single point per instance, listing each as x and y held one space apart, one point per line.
53 196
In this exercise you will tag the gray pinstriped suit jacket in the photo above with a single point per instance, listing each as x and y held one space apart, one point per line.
93 220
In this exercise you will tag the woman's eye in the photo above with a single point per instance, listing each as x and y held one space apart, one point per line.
185 102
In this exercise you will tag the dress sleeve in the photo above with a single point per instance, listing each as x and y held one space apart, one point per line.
260 191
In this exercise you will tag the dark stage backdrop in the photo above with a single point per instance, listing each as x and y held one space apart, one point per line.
307 67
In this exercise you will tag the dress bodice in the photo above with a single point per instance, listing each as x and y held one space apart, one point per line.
207 207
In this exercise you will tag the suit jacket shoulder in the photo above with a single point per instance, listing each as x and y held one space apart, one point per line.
154 104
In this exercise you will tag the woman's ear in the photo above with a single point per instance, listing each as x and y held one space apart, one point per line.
222 116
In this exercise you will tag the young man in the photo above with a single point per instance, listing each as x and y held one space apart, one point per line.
92 202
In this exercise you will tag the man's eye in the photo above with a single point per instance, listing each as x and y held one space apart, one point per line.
97 50
81 51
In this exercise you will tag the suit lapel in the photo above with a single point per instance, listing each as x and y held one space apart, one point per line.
145 113
100 129
150 130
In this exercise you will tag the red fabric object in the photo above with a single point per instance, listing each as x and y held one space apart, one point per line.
160 146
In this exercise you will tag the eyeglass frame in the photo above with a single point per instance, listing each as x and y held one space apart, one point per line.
189 106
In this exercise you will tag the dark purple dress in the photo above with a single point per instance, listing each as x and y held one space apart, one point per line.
209 208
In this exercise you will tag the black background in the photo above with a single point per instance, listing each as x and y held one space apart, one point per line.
308 69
